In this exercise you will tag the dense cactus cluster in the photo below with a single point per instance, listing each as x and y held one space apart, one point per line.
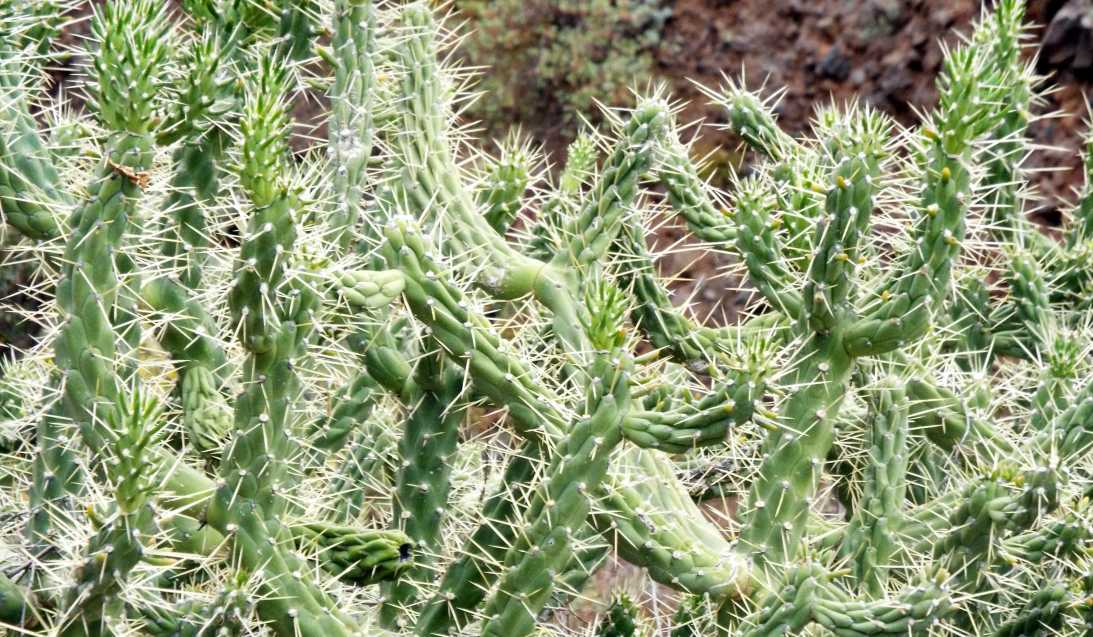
368 379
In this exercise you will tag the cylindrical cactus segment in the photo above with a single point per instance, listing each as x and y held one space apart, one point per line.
352 408
970 91
187 331
366 471
351 129
689 197
562 503
556 213
858 146
1064 366
466 582
963 547
197 119
752 118
31 196
787 609
56 478
778 502
622 619
705 422
870 540
427 176
1031 300
1042 614
271 315
89 348
1070 434
358 556
1057 540
777 507
647 515
914 612
370 289
808 596
133 39
501 196
761 248
119 544
591 232
422 487
1008 148
226 615
205 414
428 169
464 334
114 551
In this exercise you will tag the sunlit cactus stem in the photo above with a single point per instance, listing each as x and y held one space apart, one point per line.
271 316
423 483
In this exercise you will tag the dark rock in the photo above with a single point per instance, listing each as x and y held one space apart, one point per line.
1068 42
835 65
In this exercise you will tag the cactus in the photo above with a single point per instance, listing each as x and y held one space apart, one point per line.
117 547
353 555
382 384
205 415
502 193
621 619
226 614
1042 614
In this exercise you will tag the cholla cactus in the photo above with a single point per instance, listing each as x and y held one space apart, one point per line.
384 386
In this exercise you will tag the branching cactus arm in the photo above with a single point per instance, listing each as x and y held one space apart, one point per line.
352 103
871 539
271 316
900 312
797 448
506 182
423 485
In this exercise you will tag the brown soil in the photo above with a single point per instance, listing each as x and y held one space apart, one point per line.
887 53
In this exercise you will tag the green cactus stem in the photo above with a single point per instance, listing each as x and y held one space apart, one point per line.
359 556
562 504
870 539
423 483
506 180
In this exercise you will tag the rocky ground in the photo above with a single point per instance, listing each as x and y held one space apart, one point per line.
883 52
